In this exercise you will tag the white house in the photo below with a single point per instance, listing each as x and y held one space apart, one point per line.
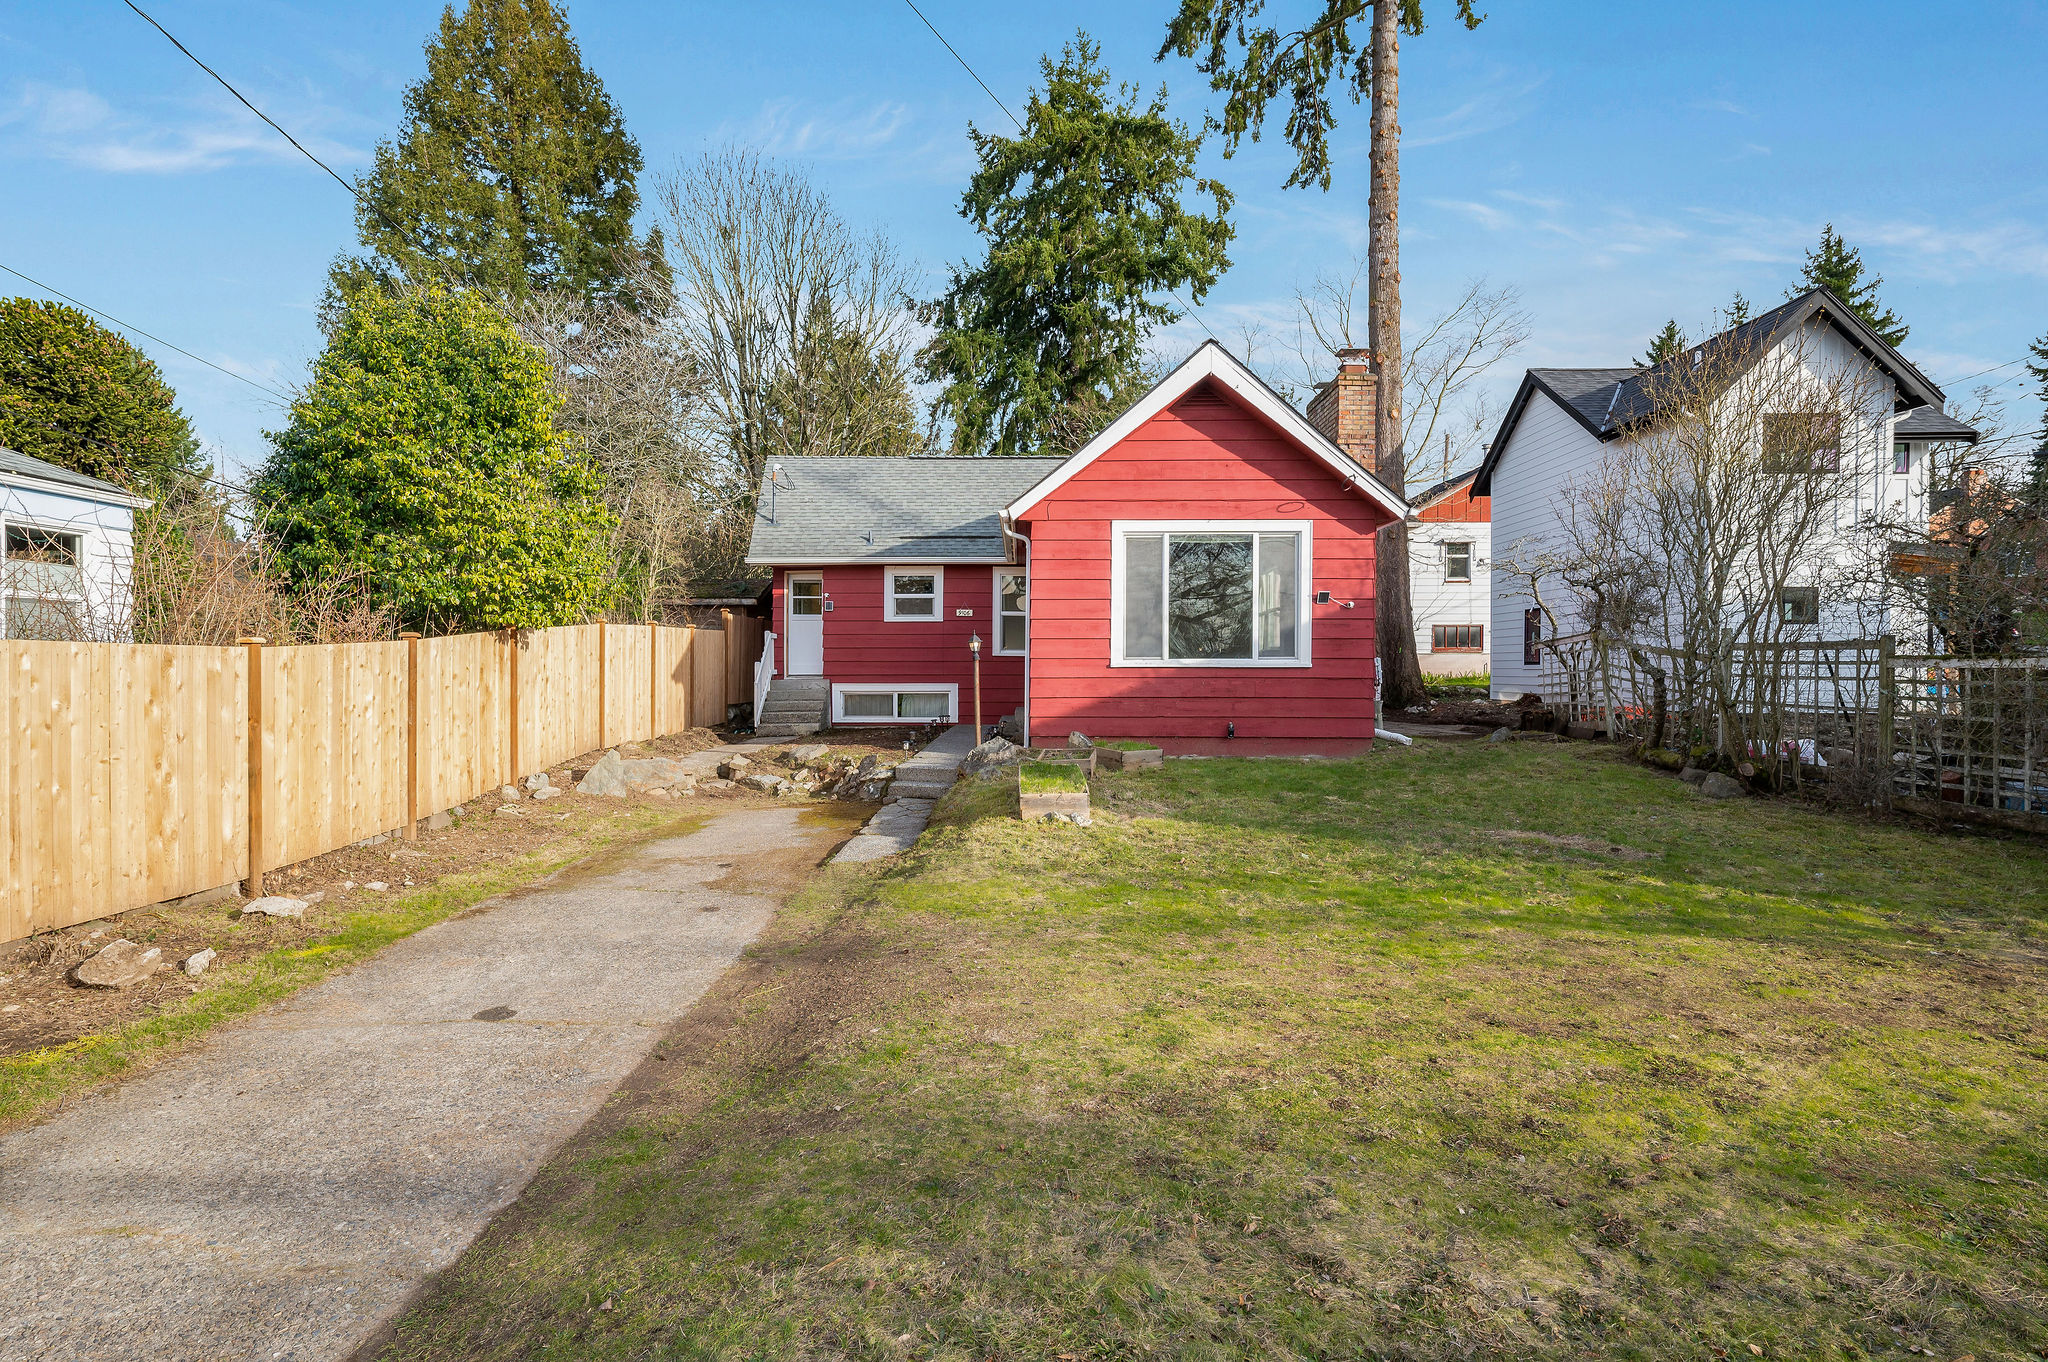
1450 577
1564 424
66 547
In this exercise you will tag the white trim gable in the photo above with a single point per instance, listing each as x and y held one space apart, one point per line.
1211 360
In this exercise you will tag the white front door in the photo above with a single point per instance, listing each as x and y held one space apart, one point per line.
805 647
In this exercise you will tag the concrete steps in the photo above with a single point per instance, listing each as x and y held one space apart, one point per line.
796 706
931 773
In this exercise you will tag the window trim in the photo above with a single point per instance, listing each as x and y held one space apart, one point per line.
1471 553
995 644
1304 586
931 570
1902 453
1437 629
840 692
1785 595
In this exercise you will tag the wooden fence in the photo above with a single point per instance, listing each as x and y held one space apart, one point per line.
136 774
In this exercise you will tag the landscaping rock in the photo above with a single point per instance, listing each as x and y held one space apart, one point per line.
378 840
617 775
1693 775
508 792
547 792
765 781
869 791
808 753
275 905
438 821
1837 758
718 784
195 964
1718 786
1502 735
377 885
537 781
509 811
119 964
1078 739
995 753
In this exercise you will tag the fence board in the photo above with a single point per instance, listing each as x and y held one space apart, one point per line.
557 694
626 691
673 666
707 678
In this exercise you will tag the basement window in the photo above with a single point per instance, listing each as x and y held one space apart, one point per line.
895 704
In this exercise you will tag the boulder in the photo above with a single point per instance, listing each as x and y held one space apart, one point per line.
274 905
437 821
739 763
1078 739
508 792
808 753
1718 786
537 781
871 790
617 775
1693 775
1501 735
119 964
765 781
1837 757
547 792
195 965
996 753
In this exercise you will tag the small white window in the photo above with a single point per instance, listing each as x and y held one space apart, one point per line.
911 594
1011 597
1458 561
1902 457
895 704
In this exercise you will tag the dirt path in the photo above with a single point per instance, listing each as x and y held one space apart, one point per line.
283 1191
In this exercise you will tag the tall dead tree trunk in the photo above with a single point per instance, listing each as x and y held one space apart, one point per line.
1394 615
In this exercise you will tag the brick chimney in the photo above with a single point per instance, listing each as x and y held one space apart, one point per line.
1345 408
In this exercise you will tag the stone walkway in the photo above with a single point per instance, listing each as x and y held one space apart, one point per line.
285 1189
896 827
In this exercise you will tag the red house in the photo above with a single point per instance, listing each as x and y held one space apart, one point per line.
1201 574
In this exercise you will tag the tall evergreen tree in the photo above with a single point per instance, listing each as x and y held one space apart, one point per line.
1838 267
1085 222
2037 470
1737 312
1666 344
513 171
81 396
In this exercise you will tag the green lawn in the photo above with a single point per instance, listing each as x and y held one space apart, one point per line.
1468 1050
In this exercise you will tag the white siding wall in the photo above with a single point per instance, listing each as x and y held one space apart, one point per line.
1547 449
1436 601
106 548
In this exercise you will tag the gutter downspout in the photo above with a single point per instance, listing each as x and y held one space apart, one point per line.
1017 548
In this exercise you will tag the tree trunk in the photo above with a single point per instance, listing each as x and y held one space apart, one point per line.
1394 615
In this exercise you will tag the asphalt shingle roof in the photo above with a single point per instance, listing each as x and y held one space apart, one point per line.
1932 423
839 508
28 466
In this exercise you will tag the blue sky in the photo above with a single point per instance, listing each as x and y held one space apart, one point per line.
1619 164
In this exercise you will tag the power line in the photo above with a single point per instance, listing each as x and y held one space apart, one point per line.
108 316
1020 128
238 95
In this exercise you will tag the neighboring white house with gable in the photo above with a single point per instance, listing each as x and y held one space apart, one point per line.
1450 577
1564 424
66 548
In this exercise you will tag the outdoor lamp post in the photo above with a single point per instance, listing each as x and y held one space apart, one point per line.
974 647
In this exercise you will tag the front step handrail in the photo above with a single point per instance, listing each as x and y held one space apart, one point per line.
764 673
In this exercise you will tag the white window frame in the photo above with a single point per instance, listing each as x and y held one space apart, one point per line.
1471 553
839 694
938 576
83 532
996 648
1304 582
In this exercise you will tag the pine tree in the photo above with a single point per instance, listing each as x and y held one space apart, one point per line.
1666 344
1085 227
513 171
2037 469
1838 268
1738 310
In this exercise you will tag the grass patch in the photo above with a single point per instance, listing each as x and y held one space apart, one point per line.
33 1081
1052 777
1129 745
1457 1051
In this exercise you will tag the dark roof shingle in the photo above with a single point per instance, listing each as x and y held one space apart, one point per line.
28 466
828 508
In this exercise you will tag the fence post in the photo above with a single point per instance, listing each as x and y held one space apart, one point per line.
253 886
412 735
733 661
512 708
1887 714
603 674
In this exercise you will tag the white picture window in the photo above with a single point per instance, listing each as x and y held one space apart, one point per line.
912 593
1211 593
1012 596
895 704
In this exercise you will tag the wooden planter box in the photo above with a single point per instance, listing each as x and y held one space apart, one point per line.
1144 759
1033 805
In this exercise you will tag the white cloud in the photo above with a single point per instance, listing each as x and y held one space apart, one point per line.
78 126
842 132
1500 105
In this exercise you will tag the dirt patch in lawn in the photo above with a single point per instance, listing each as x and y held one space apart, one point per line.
1481 713
1589 845
41 1007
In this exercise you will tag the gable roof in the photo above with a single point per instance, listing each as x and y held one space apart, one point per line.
1932 423
15 464
1212 362
848 508
1608 401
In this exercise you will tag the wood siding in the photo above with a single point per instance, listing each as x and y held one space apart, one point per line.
1206 457
862 648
